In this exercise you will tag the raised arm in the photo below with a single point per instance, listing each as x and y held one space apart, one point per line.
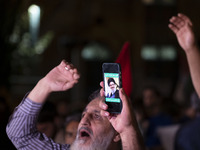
60 78
182 26
21 128
125 123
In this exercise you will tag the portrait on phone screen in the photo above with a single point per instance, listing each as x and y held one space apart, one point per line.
112 85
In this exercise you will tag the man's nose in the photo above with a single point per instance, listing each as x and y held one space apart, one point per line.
86 119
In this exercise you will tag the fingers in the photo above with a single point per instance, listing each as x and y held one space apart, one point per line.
102 92
69 68
178 22
173 28
70 84
64 63
102 89
123 97
184 17
76 76
104 107
75 73
102 104
102 84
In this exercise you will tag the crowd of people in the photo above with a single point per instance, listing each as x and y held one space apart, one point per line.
35 123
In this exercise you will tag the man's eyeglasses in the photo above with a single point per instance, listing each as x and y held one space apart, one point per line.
111 84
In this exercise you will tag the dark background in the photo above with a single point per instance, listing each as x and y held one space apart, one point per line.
69 26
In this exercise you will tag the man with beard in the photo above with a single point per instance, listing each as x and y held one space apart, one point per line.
113 88
97 130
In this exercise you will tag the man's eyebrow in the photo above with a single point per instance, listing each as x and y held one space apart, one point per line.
97 111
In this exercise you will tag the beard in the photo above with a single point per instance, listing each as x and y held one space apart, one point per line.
100 143
113 90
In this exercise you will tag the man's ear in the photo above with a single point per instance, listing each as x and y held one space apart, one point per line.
117 137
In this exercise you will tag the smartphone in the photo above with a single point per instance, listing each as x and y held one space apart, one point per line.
112 83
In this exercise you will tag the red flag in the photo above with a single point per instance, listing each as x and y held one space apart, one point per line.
125 62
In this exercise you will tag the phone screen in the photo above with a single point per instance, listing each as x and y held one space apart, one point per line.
112 87
112 83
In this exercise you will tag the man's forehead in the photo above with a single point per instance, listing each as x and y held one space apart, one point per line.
94 104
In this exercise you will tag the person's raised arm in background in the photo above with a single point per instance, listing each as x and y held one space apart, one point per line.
21 128
182 26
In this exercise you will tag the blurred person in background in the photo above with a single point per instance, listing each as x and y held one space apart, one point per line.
46 120
154 117
188 135
67 134
62 111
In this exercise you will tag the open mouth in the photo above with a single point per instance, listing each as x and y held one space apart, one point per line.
85 133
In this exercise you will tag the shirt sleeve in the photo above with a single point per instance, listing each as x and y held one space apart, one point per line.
21 128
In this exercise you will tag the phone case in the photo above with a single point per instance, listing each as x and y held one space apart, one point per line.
112 84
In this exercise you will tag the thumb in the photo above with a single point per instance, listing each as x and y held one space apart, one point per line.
125 100
69 84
